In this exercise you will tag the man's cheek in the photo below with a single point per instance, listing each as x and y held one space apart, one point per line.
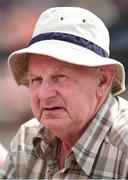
35 107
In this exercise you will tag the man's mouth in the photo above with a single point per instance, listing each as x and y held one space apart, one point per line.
53 108
52 112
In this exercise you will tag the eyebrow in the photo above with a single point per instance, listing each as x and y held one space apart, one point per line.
56 70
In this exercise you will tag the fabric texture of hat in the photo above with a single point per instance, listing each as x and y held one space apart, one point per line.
69 34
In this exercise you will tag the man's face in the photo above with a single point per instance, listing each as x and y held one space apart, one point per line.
63 96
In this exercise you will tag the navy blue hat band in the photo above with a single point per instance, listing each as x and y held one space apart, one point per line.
72 39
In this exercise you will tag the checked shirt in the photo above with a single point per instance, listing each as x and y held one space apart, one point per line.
101 152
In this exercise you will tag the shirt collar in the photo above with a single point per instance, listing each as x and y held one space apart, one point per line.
88 145
43 143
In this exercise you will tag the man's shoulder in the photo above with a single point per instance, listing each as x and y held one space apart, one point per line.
118 135
26 133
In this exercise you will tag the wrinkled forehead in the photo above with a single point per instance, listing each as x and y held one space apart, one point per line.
44 61
47 63
34 59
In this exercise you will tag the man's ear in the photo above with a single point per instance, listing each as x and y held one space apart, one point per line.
100 80
105 79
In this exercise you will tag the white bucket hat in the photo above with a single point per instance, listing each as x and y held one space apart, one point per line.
69 34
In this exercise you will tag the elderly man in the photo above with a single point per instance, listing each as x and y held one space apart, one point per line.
80 125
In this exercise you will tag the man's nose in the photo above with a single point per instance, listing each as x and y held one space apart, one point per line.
47 90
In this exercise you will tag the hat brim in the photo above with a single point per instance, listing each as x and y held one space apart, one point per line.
67 52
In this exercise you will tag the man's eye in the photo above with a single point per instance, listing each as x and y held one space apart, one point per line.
35 80
59 77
